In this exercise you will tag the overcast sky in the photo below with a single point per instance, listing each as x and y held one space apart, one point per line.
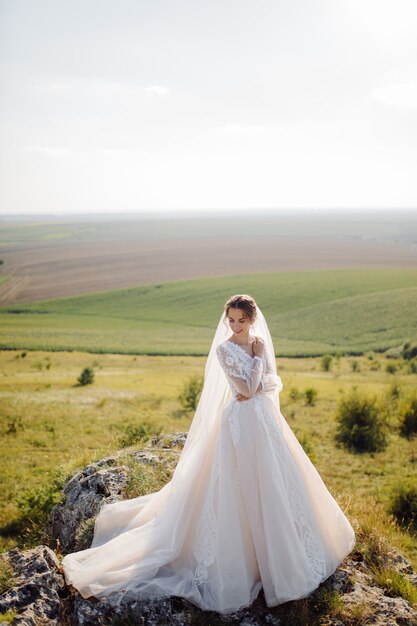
136 105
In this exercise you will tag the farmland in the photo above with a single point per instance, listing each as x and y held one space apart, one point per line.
65 257
308 312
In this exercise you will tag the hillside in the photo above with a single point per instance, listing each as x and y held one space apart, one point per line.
309 313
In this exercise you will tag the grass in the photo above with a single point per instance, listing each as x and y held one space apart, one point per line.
308 312
6 575
395 584
50 427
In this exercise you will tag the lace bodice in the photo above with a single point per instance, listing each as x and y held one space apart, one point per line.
247 374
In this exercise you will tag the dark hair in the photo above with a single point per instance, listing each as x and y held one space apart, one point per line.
244 302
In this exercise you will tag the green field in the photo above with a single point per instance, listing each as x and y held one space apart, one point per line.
309 313
46 422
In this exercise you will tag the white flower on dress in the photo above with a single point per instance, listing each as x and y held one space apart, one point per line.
229 360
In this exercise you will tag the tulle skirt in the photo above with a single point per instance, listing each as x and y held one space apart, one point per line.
256 515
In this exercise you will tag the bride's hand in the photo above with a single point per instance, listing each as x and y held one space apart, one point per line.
241 397
258 346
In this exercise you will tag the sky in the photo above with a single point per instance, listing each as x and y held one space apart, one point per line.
132 106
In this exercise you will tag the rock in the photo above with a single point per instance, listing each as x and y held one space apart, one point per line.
385 610
84 495
40 595
100 482
39 589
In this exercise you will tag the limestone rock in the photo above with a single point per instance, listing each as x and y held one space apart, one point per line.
39 589
103 481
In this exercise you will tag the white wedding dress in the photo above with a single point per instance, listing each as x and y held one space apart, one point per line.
249 512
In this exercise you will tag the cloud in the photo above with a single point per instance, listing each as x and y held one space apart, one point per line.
156 90
398 95
49 152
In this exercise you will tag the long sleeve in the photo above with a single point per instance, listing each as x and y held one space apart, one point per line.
249 382
270 380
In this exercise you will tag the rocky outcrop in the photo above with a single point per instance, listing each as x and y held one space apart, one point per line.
40 596
38 588
102 481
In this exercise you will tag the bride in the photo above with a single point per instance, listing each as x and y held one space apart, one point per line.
245 509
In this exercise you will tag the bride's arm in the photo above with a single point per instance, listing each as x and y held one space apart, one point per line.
234 371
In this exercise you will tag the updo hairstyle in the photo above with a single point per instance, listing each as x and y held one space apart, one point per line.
244 302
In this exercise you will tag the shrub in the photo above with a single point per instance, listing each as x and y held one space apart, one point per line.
35 505
138 432
355 366
361 426
86 377
412 366
375 365
409 351
191 392
408 417
404 505
294 393
391 368
310 396
326 362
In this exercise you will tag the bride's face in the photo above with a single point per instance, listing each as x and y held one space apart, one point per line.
238 323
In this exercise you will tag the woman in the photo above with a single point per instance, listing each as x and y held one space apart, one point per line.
245 508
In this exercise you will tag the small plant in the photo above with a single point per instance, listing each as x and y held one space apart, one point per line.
23 354
361 426
375 365
305 441
8 617
394 391
404 505
6 575
409 351
191 392
294 393
355 366
86 377
390 368
15 424
412 367
395 584
326 362
310 395
408 418
85 533
138 432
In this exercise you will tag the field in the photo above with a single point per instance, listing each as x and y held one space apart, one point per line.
47 422
63 257
308 312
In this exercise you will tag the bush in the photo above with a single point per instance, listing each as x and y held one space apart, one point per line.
294 393
86 377
391 368
191 392
355 366
138 432
404 506
326 362
409 351
408 418
412 366
361 426
310 395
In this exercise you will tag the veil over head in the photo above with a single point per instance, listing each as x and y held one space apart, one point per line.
216 394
